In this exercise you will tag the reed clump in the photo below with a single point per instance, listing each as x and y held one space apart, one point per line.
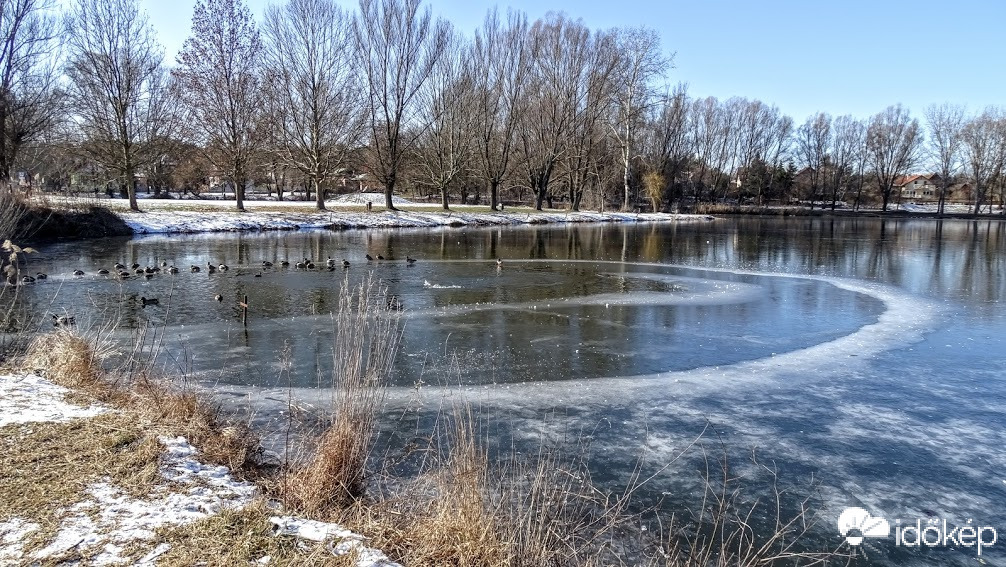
367 336
66 358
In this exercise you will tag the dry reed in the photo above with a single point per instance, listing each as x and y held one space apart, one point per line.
367 335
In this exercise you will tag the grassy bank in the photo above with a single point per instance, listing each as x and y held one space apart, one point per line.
25 219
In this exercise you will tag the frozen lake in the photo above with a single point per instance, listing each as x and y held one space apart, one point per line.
864 354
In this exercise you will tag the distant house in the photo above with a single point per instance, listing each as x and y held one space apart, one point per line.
919 187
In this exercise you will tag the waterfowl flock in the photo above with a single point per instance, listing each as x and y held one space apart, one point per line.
122 271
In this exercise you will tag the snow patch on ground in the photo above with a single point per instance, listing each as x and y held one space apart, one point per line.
108 520
340 540
364 198
31 398
12 533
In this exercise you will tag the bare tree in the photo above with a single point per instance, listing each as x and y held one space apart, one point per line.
312 78
501 58
117 86
756 133
892 142
398 47
447 98
848 142
813 144
984 146
945 123
780 136
29 99
712 128
561 51
219 74
584 149
640 62
668 142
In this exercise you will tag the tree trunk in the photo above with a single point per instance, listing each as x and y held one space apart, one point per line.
443 198
130 187
389 188
494 187
625 178
319 195
239 195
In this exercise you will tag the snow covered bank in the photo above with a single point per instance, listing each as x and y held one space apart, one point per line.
107 521
219 216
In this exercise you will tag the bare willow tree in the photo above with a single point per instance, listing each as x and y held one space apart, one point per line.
502 59
640 63
312 78
398 47
945 121
892 141
117 87
29 98
984 148
446 149
219 75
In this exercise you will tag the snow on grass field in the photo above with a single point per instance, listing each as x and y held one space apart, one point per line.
107 521
190 216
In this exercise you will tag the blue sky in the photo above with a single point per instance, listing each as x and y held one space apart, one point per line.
841 57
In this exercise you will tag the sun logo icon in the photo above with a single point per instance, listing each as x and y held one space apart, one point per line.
856 523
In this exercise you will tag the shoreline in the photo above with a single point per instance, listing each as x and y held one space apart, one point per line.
71 219
191 222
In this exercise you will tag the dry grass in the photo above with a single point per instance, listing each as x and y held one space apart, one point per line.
729 530
367 336
47 467
66 358
73 360
241 537
467 510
